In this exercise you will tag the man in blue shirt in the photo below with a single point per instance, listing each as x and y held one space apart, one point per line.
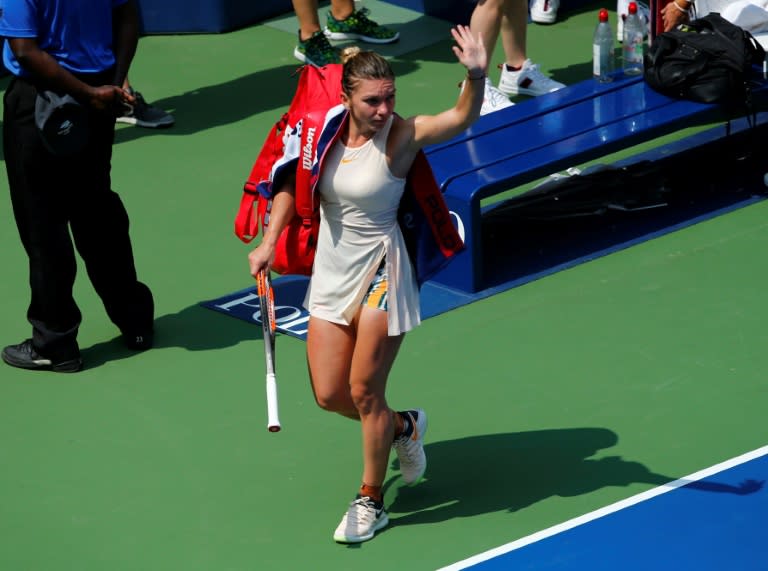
82 49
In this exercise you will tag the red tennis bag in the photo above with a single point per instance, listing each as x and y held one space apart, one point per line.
291 143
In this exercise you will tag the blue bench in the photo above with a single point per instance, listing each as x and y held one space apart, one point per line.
537 137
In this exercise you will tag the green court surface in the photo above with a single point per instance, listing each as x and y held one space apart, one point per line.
545 402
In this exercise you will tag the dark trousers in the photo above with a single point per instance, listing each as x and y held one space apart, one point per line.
58 200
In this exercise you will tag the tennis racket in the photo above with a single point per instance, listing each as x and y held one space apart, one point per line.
267 308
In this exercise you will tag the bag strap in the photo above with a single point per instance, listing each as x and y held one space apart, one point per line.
246 220
758 52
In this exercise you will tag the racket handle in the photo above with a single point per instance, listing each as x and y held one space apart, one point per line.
273 422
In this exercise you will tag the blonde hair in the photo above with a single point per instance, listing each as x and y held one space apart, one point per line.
359 64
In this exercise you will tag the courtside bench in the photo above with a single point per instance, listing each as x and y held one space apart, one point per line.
546 134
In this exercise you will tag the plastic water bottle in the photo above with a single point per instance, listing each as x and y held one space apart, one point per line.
632 42
602 49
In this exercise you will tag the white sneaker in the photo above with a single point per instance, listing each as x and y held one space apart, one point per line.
493 99
526 81
410 449
544 11
362 520
622 8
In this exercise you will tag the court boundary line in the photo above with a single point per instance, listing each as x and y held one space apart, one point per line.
607 510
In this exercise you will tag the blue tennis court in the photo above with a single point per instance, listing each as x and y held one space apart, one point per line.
713 519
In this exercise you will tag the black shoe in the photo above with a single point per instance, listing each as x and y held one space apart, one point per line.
139 341
25 356
142 114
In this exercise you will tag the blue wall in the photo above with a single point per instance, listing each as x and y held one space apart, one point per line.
456 11
206 16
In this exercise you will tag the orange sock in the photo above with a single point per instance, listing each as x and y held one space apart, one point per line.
397 420
373 492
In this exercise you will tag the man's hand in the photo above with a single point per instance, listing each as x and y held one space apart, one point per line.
109 97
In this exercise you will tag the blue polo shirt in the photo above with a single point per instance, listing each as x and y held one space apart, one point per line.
77 33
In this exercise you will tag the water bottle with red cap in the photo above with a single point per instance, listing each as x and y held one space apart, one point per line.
602 49
633 42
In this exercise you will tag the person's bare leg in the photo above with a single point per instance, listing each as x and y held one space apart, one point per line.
514 31
372 361
330 348
309 21
342 9
306 14
349 366
486 20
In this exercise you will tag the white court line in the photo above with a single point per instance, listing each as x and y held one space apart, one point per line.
592 516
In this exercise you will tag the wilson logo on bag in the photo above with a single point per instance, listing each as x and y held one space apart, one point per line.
294 138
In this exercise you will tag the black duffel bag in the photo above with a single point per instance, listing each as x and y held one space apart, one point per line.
707 60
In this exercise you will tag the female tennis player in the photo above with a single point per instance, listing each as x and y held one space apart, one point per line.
364 292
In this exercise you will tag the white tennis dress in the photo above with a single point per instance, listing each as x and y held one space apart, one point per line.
359 198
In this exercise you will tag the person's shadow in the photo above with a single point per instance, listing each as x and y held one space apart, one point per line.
218 104
194 328
511 471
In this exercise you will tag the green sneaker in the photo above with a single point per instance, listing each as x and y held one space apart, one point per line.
357 26
316 51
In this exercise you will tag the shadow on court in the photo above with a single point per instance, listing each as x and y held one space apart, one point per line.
201 109
194 328
491 473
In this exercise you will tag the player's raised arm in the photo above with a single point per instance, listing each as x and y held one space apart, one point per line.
431 129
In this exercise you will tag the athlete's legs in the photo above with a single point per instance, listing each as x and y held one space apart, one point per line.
349 366
372 361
